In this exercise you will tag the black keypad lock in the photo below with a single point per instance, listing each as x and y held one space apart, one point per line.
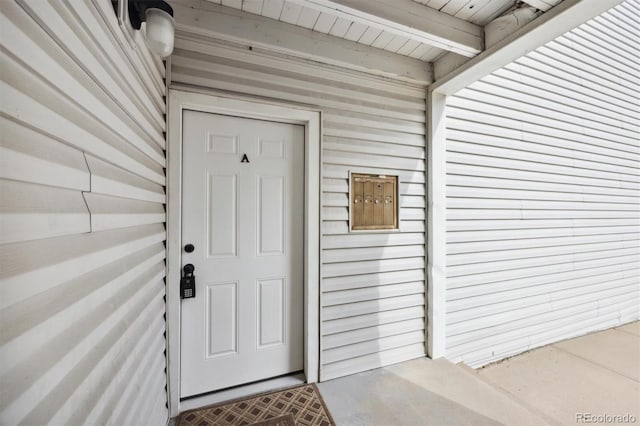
188 282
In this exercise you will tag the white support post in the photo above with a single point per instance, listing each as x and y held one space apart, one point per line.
436 225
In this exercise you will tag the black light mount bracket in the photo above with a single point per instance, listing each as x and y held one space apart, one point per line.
138 9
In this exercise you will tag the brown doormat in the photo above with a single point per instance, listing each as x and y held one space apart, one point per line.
299 406
286 420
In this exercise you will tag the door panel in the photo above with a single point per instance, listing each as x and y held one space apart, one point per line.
270 215
222 214
245 220
271 310
222 144
222 319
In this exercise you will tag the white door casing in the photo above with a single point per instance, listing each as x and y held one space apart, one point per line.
242 209
181 99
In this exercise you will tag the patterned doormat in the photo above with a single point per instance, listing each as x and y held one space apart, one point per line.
297 406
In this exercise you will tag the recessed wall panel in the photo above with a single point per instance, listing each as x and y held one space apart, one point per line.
270 215
271 315
222 319
222 215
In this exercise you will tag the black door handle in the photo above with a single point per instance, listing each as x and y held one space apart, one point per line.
188 282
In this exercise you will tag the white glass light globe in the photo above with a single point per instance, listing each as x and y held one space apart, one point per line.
160 31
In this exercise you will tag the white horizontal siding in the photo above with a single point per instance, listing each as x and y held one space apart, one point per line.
81 219
543 194
372 284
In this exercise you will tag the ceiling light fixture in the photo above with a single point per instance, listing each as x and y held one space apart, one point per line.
159 27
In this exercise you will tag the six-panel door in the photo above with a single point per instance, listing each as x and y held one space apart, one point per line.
242 209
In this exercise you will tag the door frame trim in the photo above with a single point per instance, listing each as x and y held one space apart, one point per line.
240 106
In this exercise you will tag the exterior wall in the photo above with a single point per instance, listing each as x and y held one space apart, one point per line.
81 216
543 214
372 284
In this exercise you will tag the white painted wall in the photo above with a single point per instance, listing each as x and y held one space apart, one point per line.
372 284
543 194
81 219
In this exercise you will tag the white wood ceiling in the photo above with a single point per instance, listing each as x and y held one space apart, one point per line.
479 12
295 12
326 23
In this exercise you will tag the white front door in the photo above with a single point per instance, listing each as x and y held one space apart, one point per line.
242 210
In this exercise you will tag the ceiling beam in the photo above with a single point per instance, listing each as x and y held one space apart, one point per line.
408 19
447 63
542 5
562 18
229 24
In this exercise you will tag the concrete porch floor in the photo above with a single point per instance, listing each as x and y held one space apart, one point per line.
597 374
